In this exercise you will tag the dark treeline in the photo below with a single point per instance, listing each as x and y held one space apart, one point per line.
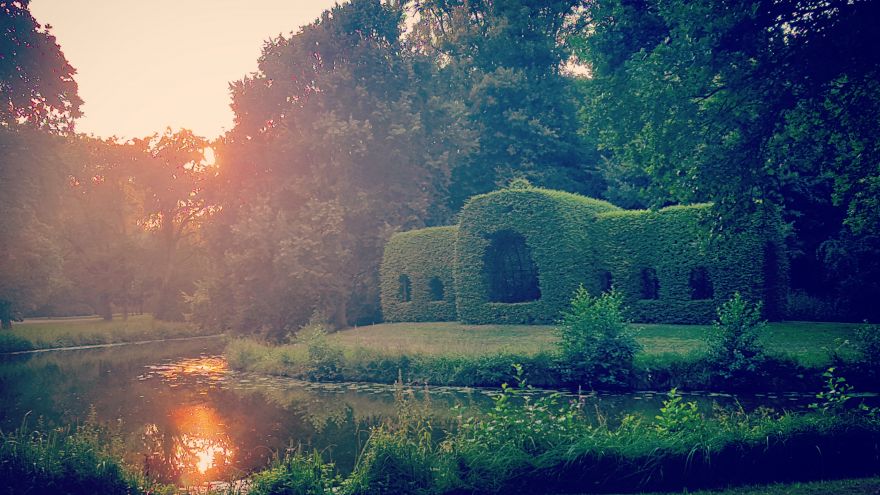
387 116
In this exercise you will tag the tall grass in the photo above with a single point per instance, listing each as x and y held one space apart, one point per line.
73 460
551 446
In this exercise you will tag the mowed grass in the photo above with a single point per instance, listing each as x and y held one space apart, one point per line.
45 334
808 342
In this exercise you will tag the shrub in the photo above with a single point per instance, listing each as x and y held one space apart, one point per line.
677 416
324 357
296 474
596 343
867 343
734 347
13 343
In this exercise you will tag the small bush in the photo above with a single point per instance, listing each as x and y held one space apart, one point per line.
596 343
296 474
867 344
324 358
804 307
13 343
677 416
734 347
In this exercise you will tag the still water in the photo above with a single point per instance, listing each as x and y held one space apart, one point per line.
187 418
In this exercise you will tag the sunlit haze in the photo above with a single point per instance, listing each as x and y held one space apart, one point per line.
142 66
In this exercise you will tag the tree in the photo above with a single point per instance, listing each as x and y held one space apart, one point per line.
329 156
30 264
98 224
169 173
502 61
751 105
37 88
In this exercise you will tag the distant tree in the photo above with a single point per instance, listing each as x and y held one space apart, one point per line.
36 81
30 262
751 105
502 60
169 175
102 243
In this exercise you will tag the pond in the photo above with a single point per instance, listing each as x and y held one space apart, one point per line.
187 418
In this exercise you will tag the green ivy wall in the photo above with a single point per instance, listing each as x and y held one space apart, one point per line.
420 255
576 240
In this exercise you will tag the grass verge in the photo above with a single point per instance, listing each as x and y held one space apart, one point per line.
468 355
73 461
47 334
550 446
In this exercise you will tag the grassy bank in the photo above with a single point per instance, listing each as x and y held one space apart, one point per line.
549 446
47 334
79 460
455 354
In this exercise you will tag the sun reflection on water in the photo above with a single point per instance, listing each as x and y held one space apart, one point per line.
193 446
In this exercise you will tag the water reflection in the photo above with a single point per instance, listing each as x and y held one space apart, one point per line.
192 448
193 445
188 419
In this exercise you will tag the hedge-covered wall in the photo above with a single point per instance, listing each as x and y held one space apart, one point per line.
675 243
665 263
556 227
422 256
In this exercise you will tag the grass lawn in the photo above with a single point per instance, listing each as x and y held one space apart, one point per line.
804 341
44 334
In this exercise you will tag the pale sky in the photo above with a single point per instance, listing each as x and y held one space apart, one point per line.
145 65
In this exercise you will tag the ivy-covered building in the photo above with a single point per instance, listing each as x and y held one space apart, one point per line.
518 255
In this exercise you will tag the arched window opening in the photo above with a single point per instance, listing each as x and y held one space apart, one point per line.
435 287
650 284
701 284
511 273
404 293
606 281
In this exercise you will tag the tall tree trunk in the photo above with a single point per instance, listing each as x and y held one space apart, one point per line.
5 315
105 308
339 319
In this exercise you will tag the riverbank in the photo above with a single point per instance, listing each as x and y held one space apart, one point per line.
468 355
537 445
80 332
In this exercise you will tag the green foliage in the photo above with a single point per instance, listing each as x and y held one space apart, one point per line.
693 101
867 343
324 358
596 343
349 156
500 62
734 346
422 255
36 80
296 474
677 416
80 460
12 343
574 240
836 394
